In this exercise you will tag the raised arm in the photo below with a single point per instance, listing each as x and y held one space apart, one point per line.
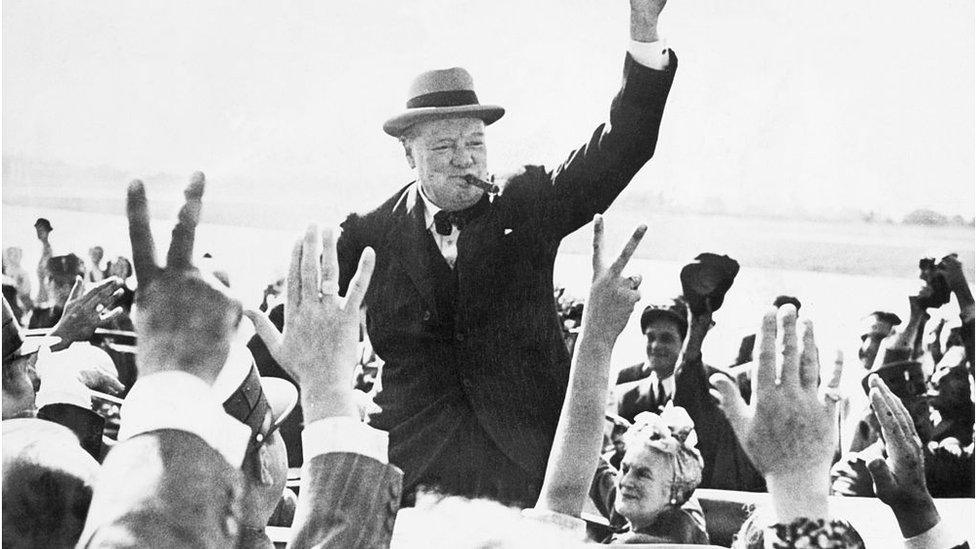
576 447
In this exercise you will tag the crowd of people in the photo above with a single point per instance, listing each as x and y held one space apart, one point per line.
417 380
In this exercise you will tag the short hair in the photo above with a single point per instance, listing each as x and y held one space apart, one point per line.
784 299
47 484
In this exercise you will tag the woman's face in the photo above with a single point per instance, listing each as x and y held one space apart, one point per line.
644 485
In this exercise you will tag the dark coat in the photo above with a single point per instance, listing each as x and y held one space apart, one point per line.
501 357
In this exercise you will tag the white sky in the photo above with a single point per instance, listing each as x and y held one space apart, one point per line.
804 105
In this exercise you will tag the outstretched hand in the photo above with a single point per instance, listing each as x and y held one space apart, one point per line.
899 479
319 344
788 431
184 318
612 295
83 313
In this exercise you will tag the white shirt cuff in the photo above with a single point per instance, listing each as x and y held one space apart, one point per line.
936 537
59 382
182 401
653 55
344 434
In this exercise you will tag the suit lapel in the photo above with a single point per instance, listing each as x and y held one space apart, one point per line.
406 240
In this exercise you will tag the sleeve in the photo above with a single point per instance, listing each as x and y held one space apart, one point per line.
344 435
691 388
592 176
346 500
809 534
348 250
603 490
936 537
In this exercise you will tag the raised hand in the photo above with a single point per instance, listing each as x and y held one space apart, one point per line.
643 19
788 430
319 344
899 479
184 318
612 295
83 313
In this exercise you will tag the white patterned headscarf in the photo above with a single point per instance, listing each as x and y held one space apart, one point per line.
672 433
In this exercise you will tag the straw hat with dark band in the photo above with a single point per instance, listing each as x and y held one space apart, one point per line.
439 94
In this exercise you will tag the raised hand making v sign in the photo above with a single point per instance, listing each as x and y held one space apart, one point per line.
185 319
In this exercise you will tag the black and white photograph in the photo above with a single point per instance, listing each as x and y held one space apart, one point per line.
264 286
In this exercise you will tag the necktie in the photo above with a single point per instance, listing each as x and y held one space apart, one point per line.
444 220
662 397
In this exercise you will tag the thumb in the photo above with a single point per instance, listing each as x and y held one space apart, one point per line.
729 400
266 331
884 482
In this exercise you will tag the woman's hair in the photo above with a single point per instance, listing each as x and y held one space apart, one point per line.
671 433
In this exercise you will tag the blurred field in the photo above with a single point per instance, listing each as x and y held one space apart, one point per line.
840 271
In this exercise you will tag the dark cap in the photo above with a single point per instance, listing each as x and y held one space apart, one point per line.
42 222
709 277
676 311
887 317
784 299
65 266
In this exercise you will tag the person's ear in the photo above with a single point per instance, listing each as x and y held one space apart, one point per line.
408 152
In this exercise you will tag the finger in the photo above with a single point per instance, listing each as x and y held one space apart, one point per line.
181 246
730 402
837 371
140 235
902 415
294 285
266 331
111 385
311 246
891 430
764 378
107 318
884 481
628 251
787 346
597 245
360 280
76 290
809 359
330 263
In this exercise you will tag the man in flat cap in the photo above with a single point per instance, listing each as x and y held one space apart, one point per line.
461 304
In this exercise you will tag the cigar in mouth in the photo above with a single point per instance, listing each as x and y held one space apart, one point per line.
489 188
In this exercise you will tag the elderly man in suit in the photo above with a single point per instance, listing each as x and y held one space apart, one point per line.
174 480
461 308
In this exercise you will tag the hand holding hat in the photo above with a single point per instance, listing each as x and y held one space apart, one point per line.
184 317
320 341
705 281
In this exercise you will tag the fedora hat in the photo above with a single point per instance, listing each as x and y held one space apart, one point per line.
709 277
438 94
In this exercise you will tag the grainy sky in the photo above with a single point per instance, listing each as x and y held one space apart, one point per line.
811 106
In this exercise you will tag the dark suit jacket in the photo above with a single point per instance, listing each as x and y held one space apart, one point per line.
632 373
505 362
87 425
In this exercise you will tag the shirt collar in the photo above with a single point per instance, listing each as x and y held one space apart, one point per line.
430 209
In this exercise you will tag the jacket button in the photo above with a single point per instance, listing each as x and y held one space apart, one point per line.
426 316
459 336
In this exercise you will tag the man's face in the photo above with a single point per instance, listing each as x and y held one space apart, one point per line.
42 232
871 341
663 346
643 485
96 253
443 152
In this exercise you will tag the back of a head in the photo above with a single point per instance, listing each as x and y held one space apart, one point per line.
47 484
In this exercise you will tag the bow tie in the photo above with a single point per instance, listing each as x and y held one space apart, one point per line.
444 221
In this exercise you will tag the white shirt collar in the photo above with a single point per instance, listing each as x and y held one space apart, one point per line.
430 209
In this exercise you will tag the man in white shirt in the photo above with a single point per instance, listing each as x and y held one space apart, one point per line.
649 385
